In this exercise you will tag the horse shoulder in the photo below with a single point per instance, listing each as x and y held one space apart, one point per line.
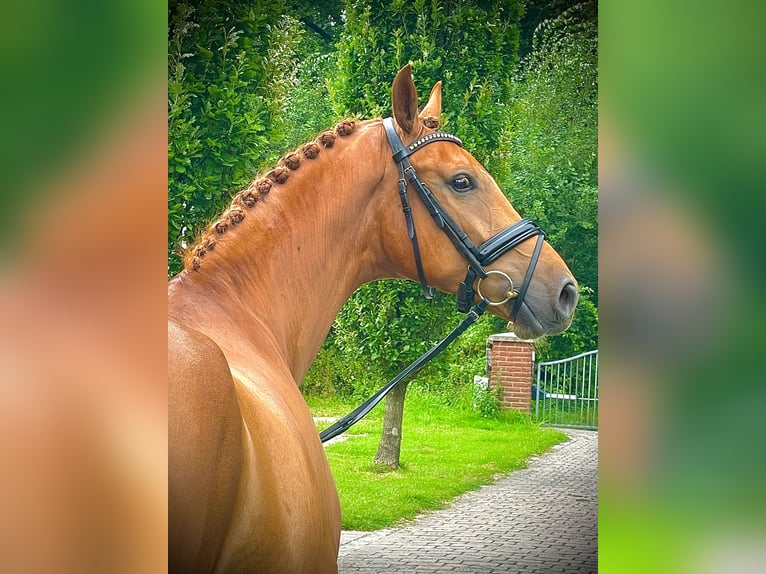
287 514
205 443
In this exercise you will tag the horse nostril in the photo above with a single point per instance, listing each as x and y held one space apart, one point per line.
568 298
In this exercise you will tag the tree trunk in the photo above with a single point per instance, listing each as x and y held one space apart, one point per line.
391 439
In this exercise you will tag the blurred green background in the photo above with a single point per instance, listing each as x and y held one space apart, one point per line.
69 70
682 142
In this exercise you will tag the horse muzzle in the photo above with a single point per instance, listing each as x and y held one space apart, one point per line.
546 313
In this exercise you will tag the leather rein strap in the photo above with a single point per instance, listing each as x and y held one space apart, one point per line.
342 425
477 258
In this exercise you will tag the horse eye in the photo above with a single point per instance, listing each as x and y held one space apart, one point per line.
462 183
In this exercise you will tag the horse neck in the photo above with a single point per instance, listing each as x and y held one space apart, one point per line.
280 277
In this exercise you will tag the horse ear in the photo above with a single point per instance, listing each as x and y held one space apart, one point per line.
404 102
434 106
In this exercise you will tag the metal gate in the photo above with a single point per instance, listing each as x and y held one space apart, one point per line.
566 392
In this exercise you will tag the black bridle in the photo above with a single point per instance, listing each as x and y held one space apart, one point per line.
477 257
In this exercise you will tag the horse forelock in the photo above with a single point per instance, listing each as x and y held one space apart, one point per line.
261 186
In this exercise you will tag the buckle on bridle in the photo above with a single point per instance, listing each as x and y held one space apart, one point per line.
510 294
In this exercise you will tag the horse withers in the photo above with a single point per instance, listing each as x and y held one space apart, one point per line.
250 489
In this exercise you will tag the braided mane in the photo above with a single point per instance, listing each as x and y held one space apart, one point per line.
258 189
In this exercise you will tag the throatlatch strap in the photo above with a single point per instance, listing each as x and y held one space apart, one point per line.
428 292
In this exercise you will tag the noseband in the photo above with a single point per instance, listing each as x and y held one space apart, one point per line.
477 257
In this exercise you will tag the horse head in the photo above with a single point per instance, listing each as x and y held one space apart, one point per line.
463 222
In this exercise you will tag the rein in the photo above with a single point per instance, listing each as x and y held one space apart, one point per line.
477 258
342 425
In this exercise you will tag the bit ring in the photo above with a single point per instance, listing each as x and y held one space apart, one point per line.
510 294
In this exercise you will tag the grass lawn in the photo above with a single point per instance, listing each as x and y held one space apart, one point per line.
445 452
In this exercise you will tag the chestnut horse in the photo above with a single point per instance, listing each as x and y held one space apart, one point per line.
250 489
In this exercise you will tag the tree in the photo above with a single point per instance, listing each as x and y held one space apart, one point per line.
230 70
550 156
535 13
472 46
384 327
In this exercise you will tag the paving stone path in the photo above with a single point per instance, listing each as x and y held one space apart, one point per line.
542 519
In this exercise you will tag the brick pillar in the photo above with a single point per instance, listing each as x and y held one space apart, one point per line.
510 365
